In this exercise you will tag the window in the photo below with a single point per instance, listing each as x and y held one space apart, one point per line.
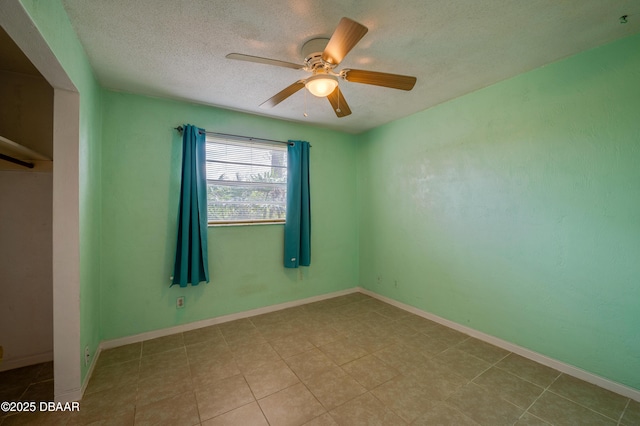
246 181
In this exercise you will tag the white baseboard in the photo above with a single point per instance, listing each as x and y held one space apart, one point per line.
23 361
519 350
87 377
69 395
107 344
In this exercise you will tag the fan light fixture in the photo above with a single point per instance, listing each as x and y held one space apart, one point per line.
321 85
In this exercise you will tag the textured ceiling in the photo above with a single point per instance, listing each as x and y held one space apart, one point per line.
177 49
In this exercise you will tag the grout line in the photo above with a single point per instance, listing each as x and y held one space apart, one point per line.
539 396
624 410
582 405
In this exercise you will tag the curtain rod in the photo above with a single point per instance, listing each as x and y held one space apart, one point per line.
16 161
249 138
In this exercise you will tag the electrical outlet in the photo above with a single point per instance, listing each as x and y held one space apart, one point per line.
180 302
87 355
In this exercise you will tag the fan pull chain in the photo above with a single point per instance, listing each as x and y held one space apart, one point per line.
305 104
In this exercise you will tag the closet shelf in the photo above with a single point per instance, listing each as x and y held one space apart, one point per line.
18 154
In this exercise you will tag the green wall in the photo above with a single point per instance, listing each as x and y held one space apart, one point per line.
514 210
53 23
141 158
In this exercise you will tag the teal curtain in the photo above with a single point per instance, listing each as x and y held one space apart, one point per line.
297 229
191 263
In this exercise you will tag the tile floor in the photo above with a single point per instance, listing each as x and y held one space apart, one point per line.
351 360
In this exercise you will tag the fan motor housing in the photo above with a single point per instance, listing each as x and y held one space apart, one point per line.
312 52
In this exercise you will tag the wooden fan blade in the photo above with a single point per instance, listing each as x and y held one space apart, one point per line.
338 103
344 38
267 61
282 95
394 81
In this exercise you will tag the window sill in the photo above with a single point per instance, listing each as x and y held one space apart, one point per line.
224 224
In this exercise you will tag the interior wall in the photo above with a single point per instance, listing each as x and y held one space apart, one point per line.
59 56
514 210
141 162
26 300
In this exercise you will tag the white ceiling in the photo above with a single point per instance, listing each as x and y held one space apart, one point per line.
177 49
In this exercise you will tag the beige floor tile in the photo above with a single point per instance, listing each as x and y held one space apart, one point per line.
406 397
207 351
270 378
462 362
46 373
323 420
631 414
447 335
444 415
114 376
483 407
374 304
253 356
400 358
247 415
365 410
421 325
343 351
439 379
529 419
120 354
174 378
20 377
162 344
204 334
371 317
528 370
351 310
106 404
398 331
238 340
369 371
559 411
268 319
41 391
206 373
175 411
36 419
334 387
162 386
224 396
393 313
426 346
291 345
161 362
291 406
509 387
309 363
596 398
322 335
371 342
231 328
482 350
281 330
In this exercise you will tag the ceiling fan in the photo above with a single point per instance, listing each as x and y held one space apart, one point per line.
321 56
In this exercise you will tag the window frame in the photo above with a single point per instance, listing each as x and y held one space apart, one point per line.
244 222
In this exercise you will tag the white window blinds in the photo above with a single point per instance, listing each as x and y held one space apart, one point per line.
246 181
